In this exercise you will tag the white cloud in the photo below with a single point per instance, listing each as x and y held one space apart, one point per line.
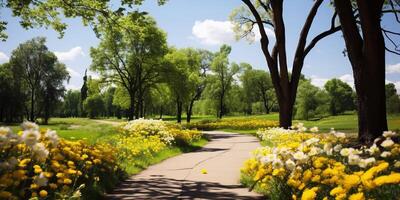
3 57
397 84
70 55
392 69
348 78
318 81
72 72
212 32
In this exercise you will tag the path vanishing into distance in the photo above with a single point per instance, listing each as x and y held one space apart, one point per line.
180 177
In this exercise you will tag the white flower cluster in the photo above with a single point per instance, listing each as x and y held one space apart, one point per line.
149 127
30 137
293 158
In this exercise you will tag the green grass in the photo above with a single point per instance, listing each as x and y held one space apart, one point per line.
76 128
346 123
141 164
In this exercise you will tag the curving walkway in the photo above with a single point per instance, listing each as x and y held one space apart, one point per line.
180 177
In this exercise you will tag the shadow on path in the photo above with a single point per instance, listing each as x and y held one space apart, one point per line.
158 187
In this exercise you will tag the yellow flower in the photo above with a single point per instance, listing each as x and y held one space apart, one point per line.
34 186
43 193
67 181
350 181
203 171
337 190
357 196
393 178
309 194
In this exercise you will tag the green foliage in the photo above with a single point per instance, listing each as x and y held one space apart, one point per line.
341 96
72 100
311 102
392 99
220 82
94 106
42 76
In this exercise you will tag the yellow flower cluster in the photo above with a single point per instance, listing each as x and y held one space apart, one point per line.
323 166
143 138
36 163
237 124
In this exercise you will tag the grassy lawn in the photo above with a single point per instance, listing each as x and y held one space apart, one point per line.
76 128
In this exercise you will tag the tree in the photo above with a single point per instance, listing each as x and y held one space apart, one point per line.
12 94
72 103
52 13
52 89
270 13
129 54
94 106
200 60
341 96
84 93
392 99
311 101
365 47
223 77
257 86
179 78
41 73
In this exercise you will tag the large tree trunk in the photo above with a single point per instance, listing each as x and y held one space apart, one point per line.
285 113
189 111
367 57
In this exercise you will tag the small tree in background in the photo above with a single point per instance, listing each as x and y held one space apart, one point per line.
341 96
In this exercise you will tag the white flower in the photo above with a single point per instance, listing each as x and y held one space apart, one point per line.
377 140
30 137
311 141
362 163
268 158
40 151
29 126
370 160
41 180
290 165
337 147
354 159
339 135
345 152
277 163
387 143
397 164
373 150
354 151
314 151
52 136
314 129
387 134
300 156
328 148
385 154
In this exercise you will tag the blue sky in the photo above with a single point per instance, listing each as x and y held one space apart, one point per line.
204 24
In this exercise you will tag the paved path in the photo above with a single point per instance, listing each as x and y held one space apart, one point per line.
180 177
114 123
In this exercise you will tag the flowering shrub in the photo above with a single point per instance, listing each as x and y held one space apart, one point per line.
37 164
238 124
323 166
142 138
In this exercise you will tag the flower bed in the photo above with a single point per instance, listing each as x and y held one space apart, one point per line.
304 165
142 139
237 124
36 163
